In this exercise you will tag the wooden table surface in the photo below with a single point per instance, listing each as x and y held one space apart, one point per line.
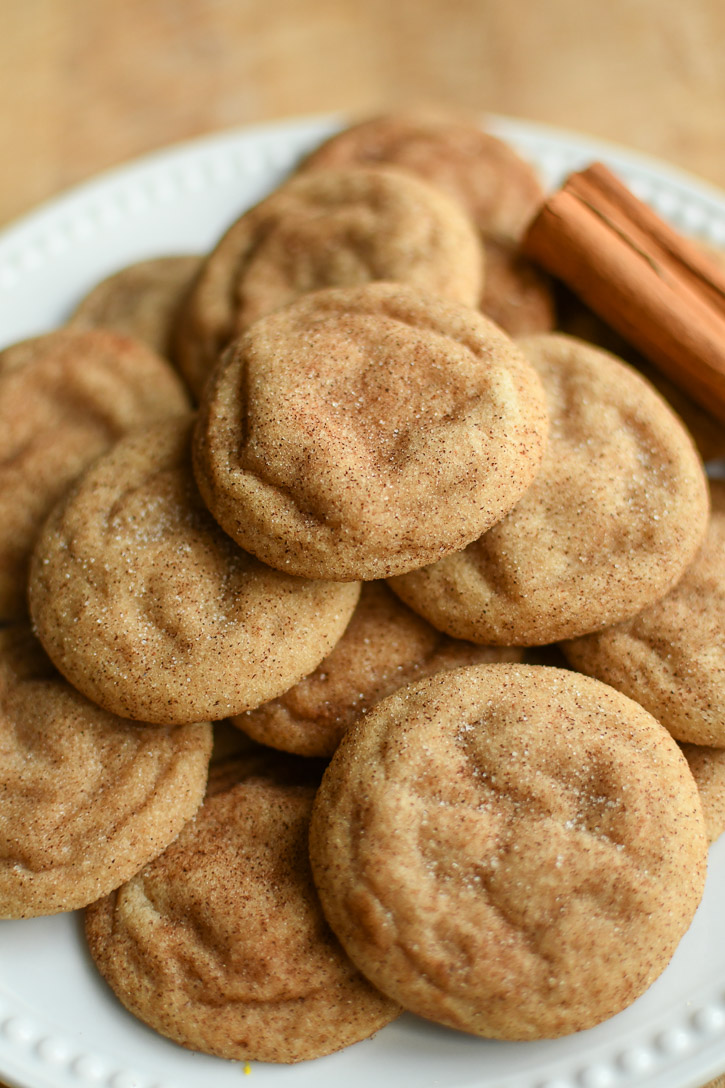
87 84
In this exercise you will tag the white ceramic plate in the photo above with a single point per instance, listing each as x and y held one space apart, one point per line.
60 1027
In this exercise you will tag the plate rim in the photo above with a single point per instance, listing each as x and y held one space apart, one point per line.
25 233
506 126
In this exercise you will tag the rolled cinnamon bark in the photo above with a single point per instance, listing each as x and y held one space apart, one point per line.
655 287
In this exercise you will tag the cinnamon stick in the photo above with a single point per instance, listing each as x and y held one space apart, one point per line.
656 288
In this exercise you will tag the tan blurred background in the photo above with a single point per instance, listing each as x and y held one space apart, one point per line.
86 84
90 83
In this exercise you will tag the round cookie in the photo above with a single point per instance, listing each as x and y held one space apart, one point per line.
141 300
609 525
149 609
671 657
86 798
385 646
362 432
516 295
336 228
510 850
707 766
64 398
221 945
496 187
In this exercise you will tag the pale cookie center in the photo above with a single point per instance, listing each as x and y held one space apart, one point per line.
369 410
310 248
505 850
232 898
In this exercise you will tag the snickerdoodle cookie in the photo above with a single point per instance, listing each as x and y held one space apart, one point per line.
64 398
609 525
141 300
335 228
498 189
362 432
384 647
707 766
86 798
152 611
671 657
511 850
221 944
517 295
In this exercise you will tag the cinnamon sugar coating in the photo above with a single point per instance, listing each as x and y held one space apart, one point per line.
384 646
361 432
152 611
609 525
86 798
671 657
141 300
707 766
64 398
510 850
517 295
221 944
498 189
336 228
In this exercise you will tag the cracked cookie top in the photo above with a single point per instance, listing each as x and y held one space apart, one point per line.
152 611
65 398
498 189
609 525
336 228
671 656
221 945
514 851
86 798
361 432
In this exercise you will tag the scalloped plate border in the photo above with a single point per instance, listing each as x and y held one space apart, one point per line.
59 1025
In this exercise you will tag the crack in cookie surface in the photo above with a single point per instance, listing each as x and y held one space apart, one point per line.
379 426
524 853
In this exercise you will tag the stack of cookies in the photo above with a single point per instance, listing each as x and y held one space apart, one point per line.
451 580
